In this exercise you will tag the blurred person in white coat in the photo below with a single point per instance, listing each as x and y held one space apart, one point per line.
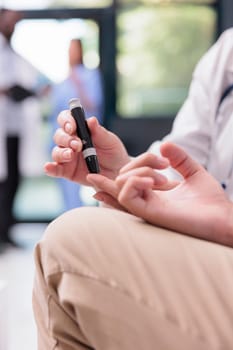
20 121
204 125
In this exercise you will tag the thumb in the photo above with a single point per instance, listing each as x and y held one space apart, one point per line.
100 135
180 160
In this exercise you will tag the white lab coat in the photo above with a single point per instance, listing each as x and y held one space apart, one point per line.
202 128
21 119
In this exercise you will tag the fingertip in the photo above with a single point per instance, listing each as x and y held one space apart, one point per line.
173 152
160 179
68 128
47 168
141 182
93 123
180 159
76 145
67 154
99 196
45 171
63 117
66 122
162 162
166 148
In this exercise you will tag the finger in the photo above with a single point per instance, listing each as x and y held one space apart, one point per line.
159 179
62 139
169 185
180 160
53 169
62 155
102 183
100 135
67 122
108 200
135 193
93 125
146 159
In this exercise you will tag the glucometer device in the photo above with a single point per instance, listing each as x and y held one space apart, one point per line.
83 132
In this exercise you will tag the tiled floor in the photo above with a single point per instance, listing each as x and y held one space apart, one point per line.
17 268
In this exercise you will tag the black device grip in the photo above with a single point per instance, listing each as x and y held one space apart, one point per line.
83 132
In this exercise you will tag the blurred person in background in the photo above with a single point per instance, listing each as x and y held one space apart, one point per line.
86 84
20 142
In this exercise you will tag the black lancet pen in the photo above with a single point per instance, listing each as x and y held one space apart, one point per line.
83 132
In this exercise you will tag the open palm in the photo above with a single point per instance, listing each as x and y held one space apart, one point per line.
192 207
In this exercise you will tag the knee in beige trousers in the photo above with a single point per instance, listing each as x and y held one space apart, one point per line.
107 280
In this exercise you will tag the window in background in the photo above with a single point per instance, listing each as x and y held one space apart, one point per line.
45 43
203 2
43 4
81 3
158 48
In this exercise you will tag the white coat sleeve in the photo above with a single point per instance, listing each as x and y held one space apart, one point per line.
194 124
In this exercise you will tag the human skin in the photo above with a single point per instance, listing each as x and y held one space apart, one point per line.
68 161
197 206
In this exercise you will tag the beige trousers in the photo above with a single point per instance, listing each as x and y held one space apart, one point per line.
106 280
